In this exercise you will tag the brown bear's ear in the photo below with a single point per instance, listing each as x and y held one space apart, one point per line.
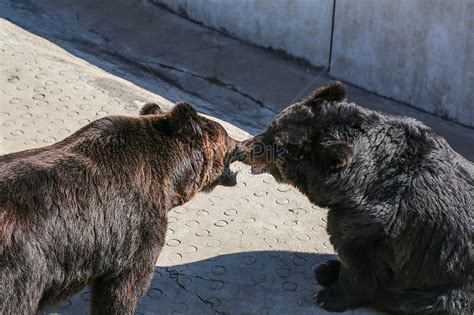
336 156
150 109
184 120
334 92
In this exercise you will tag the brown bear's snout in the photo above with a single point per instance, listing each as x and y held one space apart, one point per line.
239 153
227 177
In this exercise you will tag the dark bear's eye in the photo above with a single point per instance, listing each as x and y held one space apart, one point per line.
293 152
280 153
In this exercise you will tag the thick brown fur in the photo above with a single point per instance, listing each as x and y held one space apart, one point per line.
92 209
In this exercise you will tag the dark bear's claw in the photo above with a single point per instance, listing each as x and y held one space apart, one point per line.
329 301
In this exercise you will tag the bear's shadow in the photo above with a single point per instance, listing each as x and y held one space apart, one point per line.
276 282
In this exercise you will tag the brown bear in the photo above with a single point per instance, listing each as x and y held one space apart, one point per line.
92 209
400 200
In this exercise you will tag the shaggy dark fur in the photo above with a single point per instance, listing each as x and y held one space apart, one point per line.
92 209
401 203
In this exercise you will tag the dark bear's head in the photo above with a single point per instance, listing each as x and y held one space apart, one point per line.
323 145
206 146
301 132
306 142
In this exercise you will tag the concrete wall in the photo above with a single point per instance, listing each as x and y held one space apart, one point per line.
417 51
301 28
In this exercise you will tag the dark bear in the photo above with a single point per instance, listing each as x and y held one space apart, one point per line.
92 209
400 200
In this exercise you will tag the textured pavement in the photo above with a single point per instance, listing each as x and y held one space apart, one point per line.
243 250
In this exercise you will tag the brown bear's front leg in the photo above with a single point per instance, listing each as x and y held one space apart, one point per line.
120 294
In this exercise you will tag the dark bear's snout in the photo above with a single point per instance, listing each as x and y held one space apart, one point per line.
256 153
251 151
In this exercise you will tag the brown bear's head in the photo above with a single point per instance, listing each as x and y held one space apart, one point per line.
304 132
205 145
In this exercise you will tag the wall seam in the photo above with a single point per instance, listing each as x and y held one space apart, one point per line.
332 34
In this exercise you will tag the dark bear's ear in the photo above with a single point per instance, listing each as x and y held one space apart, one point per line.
150 109
184 120
336 156
334 92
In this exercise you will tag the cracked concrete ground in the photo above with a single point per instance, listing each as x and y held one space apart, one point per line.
244 250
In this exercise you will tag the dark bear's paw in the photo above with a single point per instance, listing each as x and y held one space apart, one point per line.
327 273
332 300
